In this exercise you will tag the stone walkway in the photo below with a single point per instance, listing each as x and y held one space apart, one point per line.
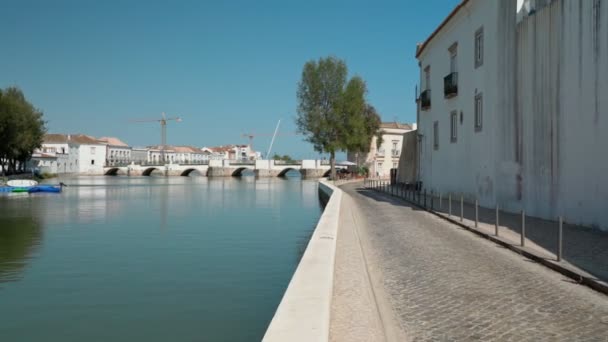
444 283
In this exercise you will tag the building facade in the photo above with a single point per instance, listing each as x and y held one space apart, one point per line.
510 107
381 159
85 154
117 152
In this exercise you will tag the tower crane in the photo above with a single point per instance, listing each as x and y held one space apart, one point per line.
163 128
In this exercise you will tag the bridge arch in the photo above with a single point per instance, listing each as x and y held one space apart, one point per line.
327 173
187 172
285 170
239 171
115 171
148 171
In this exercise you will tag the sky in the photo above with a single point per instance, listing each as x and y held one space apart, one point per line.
225 67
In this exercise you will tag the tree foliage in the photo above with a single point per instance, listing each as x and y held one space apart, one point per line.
285 158
332 110
22 129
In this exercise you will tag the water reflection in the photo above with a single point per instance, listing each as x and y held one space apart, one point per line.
19 238
213 253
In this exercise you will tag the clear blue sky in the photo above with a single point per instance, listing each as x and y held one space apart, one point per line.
226 67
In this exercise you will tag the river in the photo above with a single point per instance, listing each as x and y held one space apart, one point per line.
151 258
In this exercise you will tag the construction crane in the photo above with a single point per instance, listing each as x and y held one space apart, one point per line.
163 130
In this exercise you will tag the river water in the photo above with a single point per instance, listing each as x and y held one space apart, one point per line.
151 258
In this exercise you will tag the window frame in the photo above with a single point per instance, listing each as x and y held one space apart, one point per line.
453 54
479 47
453 126
478 109
436 135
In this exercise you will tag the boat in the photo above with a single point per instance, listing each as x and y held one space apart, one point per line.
21 183
13 187
45 188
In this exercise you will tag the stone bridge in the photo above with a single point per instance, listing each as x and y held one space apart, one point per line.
227 168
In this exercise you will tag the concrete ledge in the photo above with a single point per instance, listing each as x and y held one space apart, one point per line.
304 312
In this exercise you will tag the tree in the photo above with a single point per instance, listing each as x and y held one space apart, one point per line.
21 130
332 111
285 158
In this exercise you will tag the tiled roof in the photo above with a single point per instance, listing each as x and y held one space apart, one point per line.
395 125
74 138
112 141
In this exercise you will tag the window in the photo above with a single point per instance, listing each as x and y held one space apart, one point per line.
394 165
436 135
427 78
453 57
92 161
479 47
380 165
453 126
92 150
478 112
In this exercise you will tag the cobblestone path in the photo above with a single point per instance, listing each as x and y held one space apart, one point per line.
446 284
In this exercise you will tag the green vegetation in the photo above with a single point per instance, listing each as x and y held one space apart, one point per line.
286 158
21 130
333 113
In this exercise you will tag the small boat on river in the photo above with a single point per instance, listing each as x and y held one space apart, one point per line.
29 186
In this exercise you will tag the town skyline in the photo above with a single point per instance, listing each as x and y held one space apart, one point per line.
197 61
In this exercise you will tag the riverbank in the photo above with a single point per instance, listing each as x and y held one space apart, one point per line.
333 295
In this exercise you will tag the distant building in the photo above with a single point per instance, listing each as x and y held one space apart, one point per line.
85 154
155 155
139 155
380 160
117 152
233 152
188 155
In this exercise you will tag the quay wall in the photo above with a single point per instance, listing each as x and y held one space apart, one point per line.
304 312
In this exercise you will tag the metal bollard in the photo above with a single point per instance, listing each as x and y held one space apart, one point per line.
424 198
476 213
440 201
496 224
450 204
523 228
432 199
560 238
461 208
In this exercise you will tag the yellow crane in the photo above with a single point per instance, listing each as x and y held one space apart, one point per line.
163 128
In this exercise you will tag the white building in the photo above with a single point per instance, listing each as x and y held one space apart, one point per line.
155 155
86 155
139 155
512 104
380 160
189 155
117 152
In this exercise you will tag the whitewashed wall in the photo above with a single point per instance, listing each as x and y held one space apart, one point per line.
87 155
563 110
545 90
470 164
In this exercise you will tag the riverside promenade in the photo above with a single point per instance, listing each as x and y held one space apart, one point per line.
402 273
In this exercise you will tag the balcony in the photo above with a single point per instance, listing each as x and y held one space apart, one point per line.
425 99
450 85
395 153
380 153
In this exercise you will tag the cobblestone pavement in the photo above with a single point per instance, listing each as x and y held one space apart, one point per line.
446 284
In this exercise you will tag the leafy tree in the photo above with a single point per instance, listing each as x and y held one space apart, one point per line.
21 130
332 111
285 158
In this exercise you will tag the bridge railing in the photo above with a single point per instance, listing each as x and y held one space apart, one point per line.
288 162
242 162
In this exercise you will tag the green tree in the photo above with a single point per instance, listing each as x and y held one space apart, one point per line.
22 129
332 111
